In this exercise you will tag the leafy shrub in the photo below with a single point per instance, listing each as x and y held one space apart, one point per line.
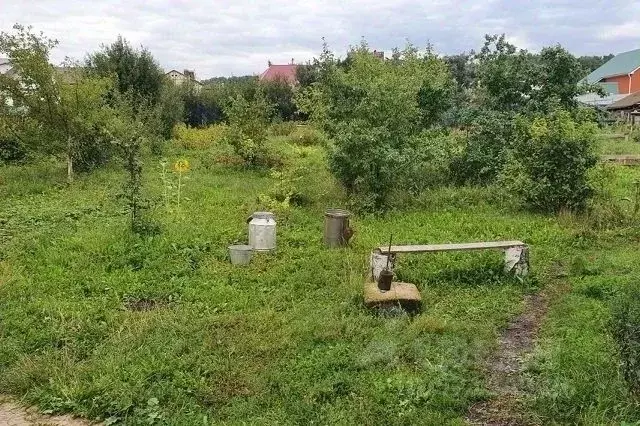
626 330
484 153
11 150
553 155
426 162
308 136
248 122
282 128
93 150
279 93
193 138
373 111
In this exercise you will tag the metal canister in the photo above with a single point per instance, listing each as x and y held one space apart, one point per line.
336 228
262 231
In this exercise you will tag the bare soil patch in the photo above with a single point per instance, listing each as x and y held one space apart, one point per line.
13 414
504 368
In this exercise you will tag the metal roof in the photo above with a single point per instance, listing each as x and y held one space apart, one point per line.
621 64
626 102
594 99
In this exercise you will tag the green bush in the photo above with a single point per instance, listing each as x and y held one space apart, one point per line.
552 156
282 128
11 150
484 154
194 138
248 123
626 330
373 111
308 136
93 150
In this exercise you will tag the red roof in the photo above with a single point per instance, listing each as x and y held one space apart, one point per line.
280 72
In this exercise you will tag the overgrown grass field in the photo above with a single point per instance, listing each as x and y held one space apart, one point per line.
163 329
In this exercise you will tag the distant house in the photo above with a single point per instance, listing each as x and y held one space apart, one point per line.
179 78
620 76
280 72
628 108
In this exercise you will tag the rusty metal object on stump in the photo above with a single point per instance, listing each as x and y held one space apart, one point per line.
385 279
336 228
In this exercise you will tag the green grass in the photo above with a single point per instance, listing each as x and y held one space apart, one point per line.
285 340
618 146
575 366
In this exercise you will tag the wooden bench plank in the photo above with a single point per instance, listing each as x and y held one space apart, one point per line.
431 248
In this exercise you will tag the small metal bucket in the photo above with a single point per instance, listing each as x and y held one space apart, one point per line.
336 228
385 279
240 254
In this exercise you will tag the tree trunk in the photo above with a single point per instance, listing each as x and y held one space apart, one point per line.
69 161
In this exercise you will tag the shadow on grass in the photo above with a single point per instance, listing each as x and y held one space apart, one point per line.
476 274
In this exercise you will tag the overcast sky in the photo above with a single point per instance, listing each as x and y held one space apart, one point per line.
237 37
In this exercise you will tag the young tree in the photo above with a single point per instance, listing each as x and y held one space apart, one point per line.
67 105
137 71
505 75
376 111
556 74
248 121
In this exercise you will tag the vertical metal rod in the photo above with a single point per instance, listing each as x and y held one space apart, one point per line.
389 252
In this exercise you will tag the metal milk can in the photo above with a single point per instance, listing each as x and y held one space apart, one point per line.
262 231
336 228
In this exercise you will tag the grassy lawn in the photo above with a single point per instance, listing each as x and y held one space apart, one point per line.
163 329
614 145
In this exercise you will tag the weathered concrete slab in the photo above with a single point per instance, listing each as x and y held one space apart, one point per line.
405 294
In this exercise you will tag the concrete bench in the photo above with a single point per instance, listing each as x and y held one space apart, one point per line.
516 254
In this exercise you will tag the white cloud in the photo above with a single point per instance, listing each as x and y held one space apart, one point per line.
626 31
226 37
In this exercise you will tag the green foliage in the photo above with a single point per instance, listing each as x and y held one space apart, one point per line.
168 112
556 75
12 150
373 110
308 136
626 330
489 135
128 131
307 74
505 75
191 138
279 93
462 69
282 128
591 63
138 74
66 105
514 80
554 155
248 124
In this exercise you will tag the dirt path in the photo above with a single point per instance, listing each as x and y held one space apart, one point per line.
505 367
12 414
